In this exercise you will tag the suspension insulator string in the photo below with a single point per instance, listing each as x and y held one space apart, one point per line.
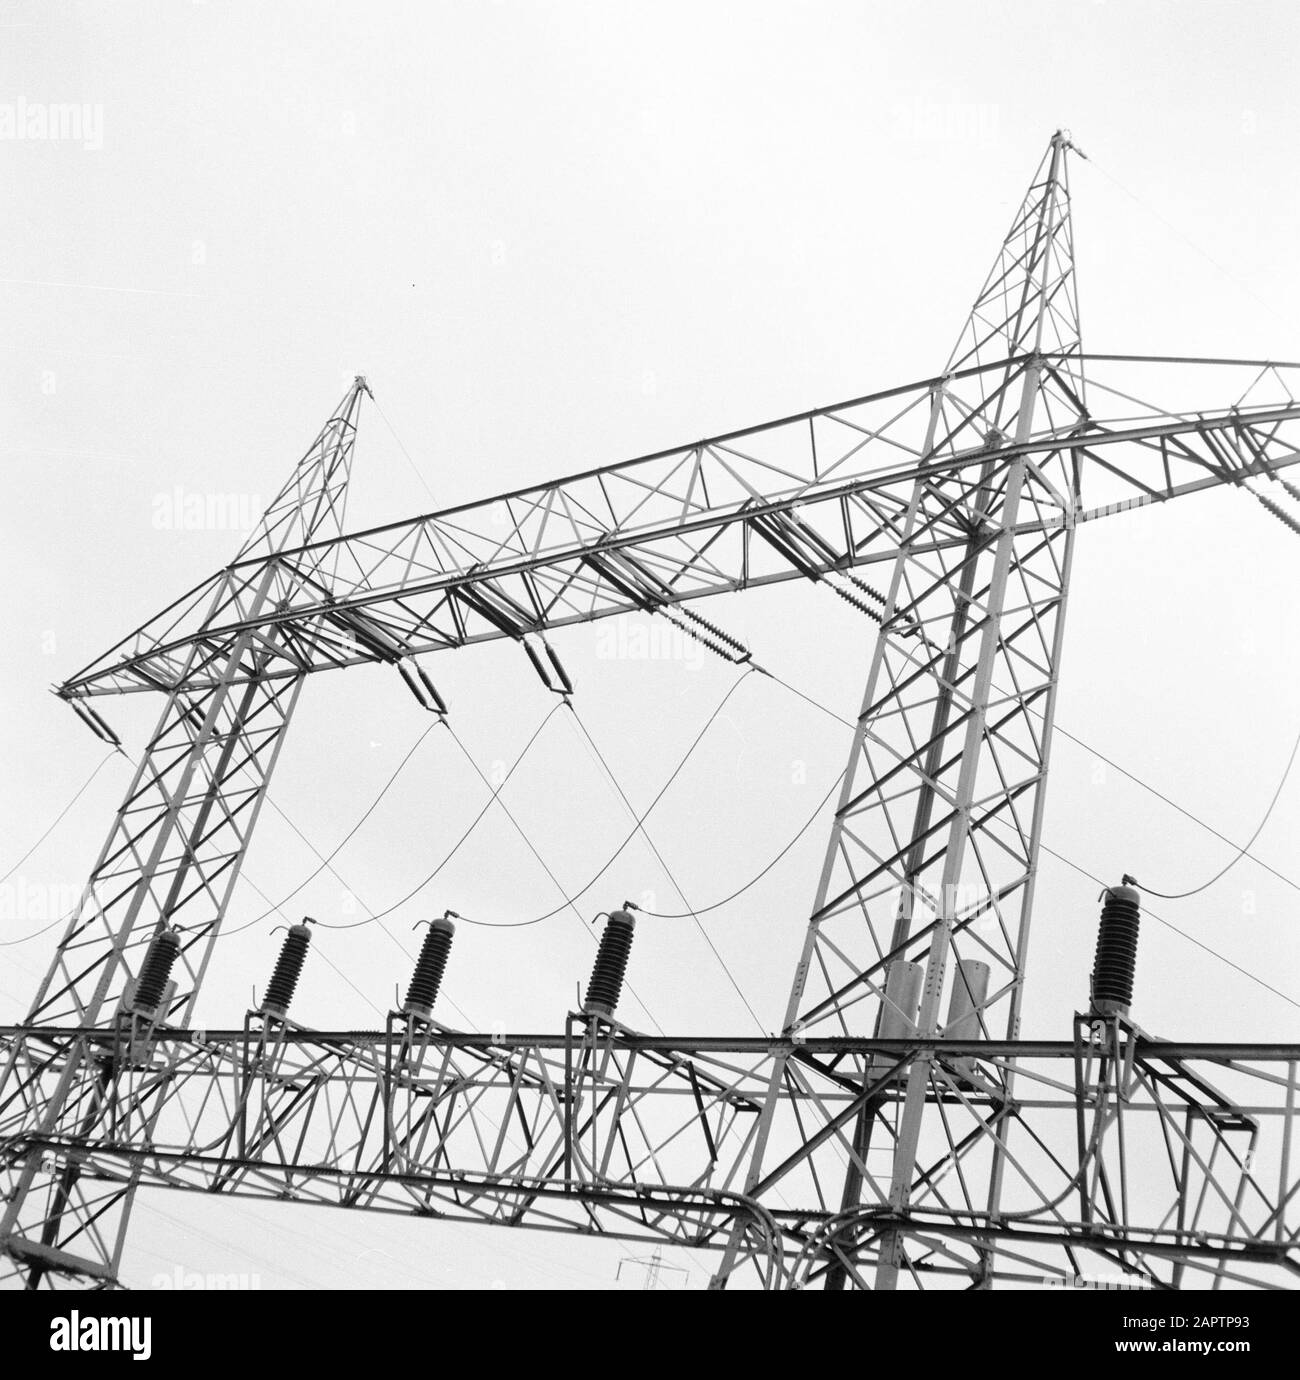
1281 514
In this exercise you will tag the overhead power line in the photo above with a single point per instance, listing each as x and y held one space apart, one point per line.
1083 871
54 823
1169 925
414 467
1241 852
645 833
343 842
455 848
758 876
636 828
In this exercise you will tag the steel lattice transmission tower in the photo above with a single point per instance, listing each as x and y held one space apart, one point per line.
897 1128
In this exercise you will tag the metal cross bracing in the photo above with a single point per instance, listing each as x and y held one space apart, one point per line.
875 1139
1137 1162
175 848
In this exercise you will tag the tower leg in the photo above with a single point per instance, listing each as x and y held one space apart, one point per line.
172 858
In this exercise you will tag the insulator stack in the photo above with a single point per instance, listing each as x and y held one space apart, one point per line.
537 665
606 985
857 603
155 971
869 590
1278 513
429 968
424 690
566 685
725 638
288 968
703 638
1116 961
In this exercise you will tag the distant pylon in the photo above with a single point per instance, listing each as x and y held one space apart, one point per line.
654 1268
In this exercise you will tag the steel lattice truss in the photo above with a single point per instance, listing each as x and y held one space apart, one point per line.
1126 1159
949 1152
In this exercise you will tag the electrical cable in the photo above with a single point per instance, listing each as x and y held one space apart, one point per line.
569 900
388 910
613 857
351 891
36 934
1174 805
1245 972
519 829
640 825
807 699
370 809
329 963
415 468
758 877
1244 852
1191 244
1169 925
1241 852
274 907
559 886
62 919
377 917
85 785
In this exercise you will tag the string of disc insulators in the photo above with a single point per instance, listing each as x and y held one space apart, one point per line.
1280 513
707 634
875 614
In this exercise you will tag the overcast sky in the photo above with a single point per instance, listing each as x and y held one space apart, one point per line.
559 235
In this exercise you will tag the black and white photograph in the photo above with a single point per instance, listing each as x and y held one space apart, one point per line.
649 648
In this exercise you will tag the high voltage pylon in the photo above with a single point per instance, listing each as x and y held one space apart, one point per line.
897 1128
655 1269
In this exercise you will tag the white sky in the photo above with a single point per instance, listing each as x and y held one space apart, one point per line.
555 236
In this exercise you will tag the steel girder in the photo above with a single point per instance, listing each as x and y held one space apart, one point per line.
819 1155
812 497
1141 1163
